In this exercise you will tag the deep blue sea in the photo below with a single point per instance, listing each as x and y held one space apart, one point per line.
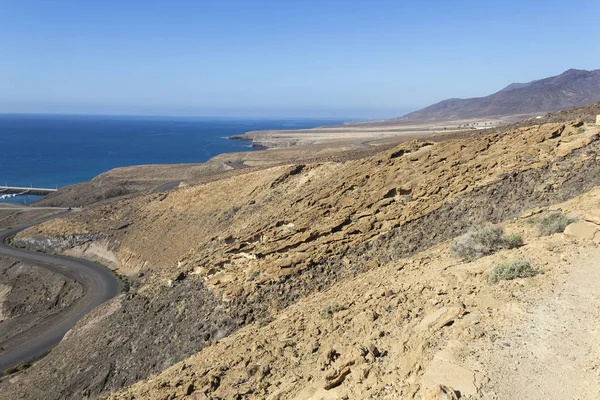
59 150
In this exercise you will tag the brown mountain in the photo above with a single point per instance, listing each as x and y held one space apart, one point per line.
572 88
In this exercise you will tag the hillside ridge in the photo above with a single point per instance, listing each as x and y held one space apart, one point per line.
570 89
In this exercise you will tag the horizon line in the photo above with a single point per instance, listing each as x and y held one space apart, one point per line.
75 114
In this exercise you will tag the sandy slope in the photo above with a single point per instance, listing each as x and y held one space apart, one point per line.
425 321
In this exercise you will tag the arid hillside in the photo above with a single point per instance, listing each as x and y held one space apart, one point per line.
429 326
126 182
287 279
285 219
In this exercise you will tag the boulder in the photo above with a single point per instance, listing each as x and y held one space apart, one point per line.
593 216
582 230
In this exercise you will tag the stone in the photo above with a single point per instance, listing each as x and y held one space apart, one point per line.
439 392
179 277
441 317
582 230
593 216
336 379
374 350
565 149
190 389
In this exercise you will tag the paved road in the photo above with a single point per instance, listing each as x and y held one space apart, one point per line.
237 164
166 186
99 285
4 206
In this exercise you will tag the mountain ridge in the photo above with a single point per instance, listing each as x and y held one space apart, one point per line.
570 89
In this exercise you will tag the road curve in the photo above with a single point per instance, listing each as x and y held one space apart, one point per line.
99 285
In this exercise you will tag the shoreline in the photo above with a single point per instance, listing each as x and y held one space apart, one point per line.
266 149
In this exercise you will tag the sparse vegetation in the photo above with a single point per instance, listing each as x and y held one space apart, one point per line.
514 270
554 222
513 240
484 241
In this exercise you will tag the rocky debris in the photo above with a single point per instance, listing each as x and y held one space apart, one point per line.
55 244
374 350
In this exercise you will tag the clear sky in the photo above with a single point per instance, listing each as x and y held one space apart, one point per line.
350 58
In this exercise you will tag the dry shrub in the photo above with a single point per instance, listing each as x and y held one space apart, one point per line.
514 270
484 241
554 222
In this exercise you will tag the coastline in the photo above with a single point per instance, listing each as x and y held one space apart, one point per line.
59 150
267 148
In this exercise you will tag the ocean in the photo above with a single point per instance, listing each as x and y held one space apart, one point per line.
59 150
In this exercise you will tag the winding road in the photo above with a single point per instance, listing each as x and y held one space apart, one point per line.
99 285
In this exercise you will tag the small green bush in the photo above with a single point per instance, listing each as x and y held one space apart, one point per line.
554 222
514 270
484 241
513 241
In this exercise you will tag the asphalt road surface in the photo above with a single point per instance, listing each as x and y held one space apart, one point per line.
99 285
166 186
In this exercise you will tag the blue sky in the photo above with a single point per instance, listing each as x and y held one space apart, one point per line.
322 58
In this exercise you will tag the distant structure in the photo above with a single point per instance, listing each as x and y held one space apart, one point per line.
12 191
597 119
